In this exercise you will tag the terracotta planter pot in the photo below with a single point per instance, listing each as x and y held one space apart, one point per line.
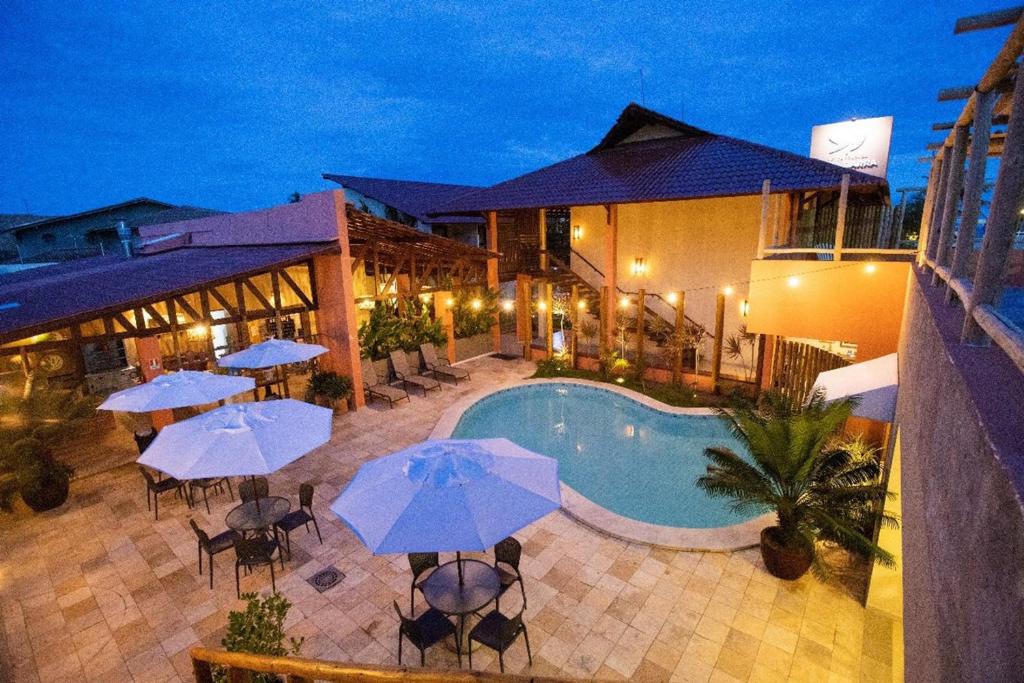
785 562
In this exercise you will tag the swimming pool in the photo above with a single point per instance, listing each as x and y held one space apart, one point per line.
615 448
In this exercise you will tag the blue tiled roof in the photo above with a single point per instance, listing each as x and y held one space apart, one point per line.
413 197
691 164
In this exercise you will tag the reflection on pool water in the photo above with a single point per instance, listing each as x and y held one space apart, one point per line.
634 460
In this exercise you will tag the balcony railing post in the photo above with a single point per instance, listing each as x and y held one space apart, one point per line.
954 185
924 229
844 196
1003 217
938 208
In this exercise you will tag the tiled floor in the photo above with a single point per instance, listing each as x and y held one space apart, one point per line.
98 591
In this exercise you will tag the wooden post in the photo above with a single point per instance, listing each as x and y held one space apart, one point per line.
574 316
542 227
844 196
924 230
610 265
524 319
275 287
716 356
954 185
762 343
604 336
492 277
762 235
937 209
974 186
443 312
1002 221
640 305
680 330
548 313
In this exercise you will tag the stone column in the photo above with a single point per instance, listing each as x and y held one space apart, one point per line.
443 312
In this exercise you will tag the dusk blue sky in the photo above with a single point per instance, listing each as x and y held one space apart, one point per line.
235 105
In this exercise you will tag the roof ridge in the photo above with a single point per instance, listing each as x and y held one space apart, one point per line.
785 154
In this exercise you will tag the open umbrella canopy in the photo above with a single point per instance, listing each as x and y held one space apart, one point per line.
240 439
874 381
448 495
177 390
270 353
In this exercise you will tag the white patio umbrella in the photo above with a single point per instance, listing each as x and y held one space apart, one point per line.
874 381
177 390
272 352
450 495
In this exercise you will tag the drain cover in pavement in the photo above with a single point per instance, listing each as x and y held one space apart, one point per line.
326 579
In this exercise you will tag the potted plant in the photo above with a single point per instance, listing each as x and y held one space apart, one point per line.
327 388
819 489
259 630
42 481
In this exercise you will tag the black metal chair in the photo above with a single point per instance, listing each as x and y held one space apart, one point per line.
209 483
507 554
212 546
155 487
256 552
426 630
420 563
250 489
499 632
301 517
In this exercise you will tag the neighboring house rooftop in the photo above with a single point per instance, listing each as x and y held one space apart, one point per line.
647 156
92 212
9 221
413 197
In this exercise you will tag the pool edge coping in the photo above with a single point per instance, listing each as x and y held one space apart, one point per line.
716 539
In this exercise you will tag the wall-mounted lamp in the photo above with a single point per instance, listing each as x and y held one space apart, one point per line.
197 331
542 305
793 281
507 305
449 302
475 304
577 232
624 302
744 308
639 267
582 305
870 268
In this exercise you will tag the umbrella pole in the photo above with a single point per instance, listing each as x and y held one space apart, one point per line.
256 493
458 565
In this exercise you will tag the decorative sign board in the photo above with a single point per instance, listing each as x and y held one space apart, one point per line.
860 144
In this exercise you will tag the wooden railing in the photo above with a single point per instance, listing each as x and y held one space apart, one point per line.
240 666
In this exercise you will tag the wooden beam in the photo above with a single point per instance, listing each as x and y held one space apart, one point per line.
962 92
981 22
844 195
296 289
187 307
267 306
232 310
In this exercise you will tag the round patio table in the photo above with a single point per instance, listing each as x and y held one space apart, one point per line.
443 591
249 517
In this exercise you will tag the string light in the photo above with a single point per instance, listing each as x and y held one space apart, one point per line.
507 306
542 305
475 304
449 302
582 305
672 298
793 281
870 268
728 290
624 302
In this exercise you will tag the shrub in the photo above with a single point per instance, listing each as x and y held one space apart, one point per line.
556 366
470 321
42 480
330 385
259 630
386 331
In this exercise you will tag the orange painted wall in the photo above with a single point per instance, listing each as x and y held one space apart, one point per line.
832 301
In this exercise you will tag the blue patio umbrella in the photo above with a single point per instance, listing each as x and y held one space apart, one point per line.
449 495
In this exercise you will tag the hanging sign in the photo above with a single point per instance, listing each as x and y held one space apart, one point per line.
860 144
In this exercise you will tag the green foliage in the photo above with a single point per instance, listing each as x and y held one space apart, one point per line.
259 630
386 331
469 320
330 385
820 489
41 479
556 366
737 346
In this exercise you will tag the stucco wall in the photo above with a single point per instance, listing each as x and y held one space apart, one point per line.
697 245
963 529
846 301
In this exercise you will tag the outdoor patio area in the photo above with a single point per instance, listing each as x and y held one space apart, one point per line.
97 590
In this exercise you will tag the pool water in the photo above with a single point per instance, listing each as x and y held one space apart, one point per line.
634 460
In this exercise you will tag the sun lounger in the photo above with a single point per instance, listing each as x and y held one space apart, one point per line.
379 390
439 367
400 363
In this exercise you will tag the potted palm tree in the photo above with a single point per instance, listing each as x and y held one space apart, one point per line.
820 489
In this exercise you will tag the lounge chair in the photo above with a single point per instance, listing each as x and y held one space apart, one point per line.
377 389
439 367
400 363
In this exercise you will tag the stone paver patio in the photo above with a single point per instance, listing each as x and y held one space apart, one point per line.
98 591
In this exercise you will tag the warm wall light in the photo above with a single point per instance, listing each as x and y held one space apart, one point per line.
449 302
672 298
507 305
728 290
582 305
793 281
870 268
475 304
577 232
744 308
639 267
542 305
198 331
624 302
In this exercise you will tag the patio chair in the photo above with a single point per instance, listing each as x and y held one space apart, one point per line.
507 554
420 563
154 488
142 441
225 540
209 483
426 630
441 367
377 389
400 363
250 489
301 517
499 632
256 552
